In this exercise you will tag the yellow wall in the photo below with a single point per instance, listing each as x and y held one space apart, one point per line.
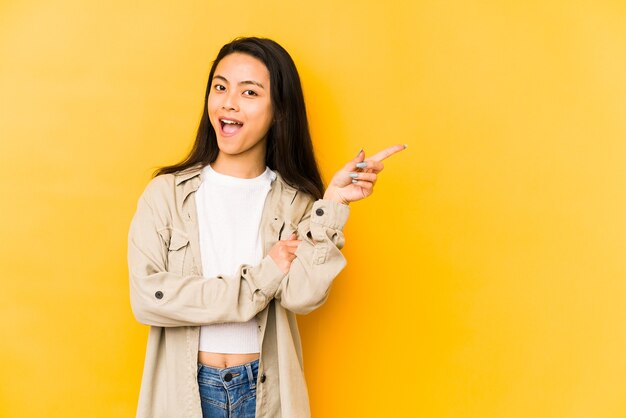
486 275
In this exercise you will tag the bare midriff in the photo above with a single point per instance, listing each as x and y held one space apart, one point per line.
221 360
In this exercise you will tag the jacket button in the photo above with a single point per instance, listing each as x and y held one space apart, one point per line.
319 212
228 377
263 378
158 295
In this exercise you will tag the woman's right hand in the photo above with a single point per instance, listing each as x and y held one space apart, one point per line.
284 252
355 181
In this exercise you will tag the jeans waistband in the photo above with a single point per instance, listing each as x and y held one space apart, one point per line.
230 376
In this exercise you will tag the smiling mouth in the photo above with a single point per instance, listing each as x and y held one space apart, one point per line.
230 126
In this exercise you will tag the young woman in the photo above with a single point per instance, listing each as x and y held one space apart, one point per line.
229 245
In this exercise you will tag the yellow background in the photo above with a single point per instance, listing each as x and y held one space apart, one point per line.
486 275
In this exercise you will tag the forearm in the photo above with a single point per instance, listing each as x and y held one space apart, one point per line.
166 299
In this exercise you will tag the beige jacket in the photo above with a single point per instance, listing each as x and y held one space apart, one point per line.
169 293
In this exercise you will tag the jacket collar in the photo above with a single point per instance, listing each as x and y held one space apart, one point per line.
188 173
195 171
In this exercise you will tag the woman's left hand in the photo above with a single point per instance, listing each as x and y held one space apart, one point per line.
355 181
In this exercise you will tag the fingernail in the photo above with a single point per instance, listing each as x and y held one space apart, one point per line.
361 152
361 164
353 175
406 146
354 181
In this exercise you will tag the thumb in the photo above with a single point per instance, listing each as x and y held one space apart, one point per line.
292 237
360 156
351 166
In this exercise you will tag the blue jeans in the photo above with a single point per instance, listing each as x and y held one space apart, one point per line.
229 392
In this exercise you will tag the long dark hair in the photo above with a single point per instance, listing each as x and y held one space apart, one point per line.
289 146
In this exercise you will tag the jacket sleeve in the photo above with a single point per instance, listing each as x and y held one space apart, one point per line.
163 298
318 258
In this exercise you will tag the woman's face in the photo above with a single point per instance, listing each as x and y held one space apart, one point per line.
240 106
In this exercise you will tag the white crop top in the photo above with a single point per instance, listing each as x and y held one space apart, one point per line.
229 217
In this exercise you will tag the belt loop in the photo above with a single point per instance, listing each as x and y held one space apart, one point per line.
251 379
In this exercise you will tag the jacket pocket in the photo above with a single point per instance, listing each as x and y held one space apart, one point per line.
177 252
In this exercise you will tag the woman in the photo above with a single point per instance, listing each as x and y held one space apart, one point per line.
228 245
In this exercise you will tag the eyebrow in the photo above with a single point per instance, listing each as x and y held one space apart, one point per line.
256 83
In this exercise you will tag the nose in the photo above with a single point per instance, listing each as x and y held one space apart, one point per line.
230 101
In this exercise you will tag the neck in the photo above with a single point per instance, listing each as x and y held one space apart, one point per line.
235 166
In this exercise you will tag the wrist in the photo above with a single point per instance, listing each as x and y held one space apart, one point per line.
333 195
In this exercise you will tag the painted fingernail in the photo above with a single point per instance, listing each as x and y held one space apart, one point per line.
354 181
354 175
361 165
406 146
361 152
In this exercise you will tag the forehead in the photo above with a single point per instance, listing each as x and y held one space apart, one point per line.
238 67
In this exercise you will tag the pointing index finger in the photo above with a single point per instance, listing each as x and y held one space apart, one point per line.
388 152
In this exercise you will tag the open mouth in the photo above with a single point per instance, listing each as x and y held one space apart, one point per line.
230 126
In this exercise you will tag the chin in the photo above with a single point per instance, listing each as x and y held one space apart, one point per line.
229 149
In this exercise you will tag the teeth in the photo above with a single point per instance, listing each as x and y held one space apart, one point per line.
230 122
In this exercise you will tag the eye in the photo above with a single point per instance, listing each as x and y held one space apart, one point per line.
219 87
250 93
